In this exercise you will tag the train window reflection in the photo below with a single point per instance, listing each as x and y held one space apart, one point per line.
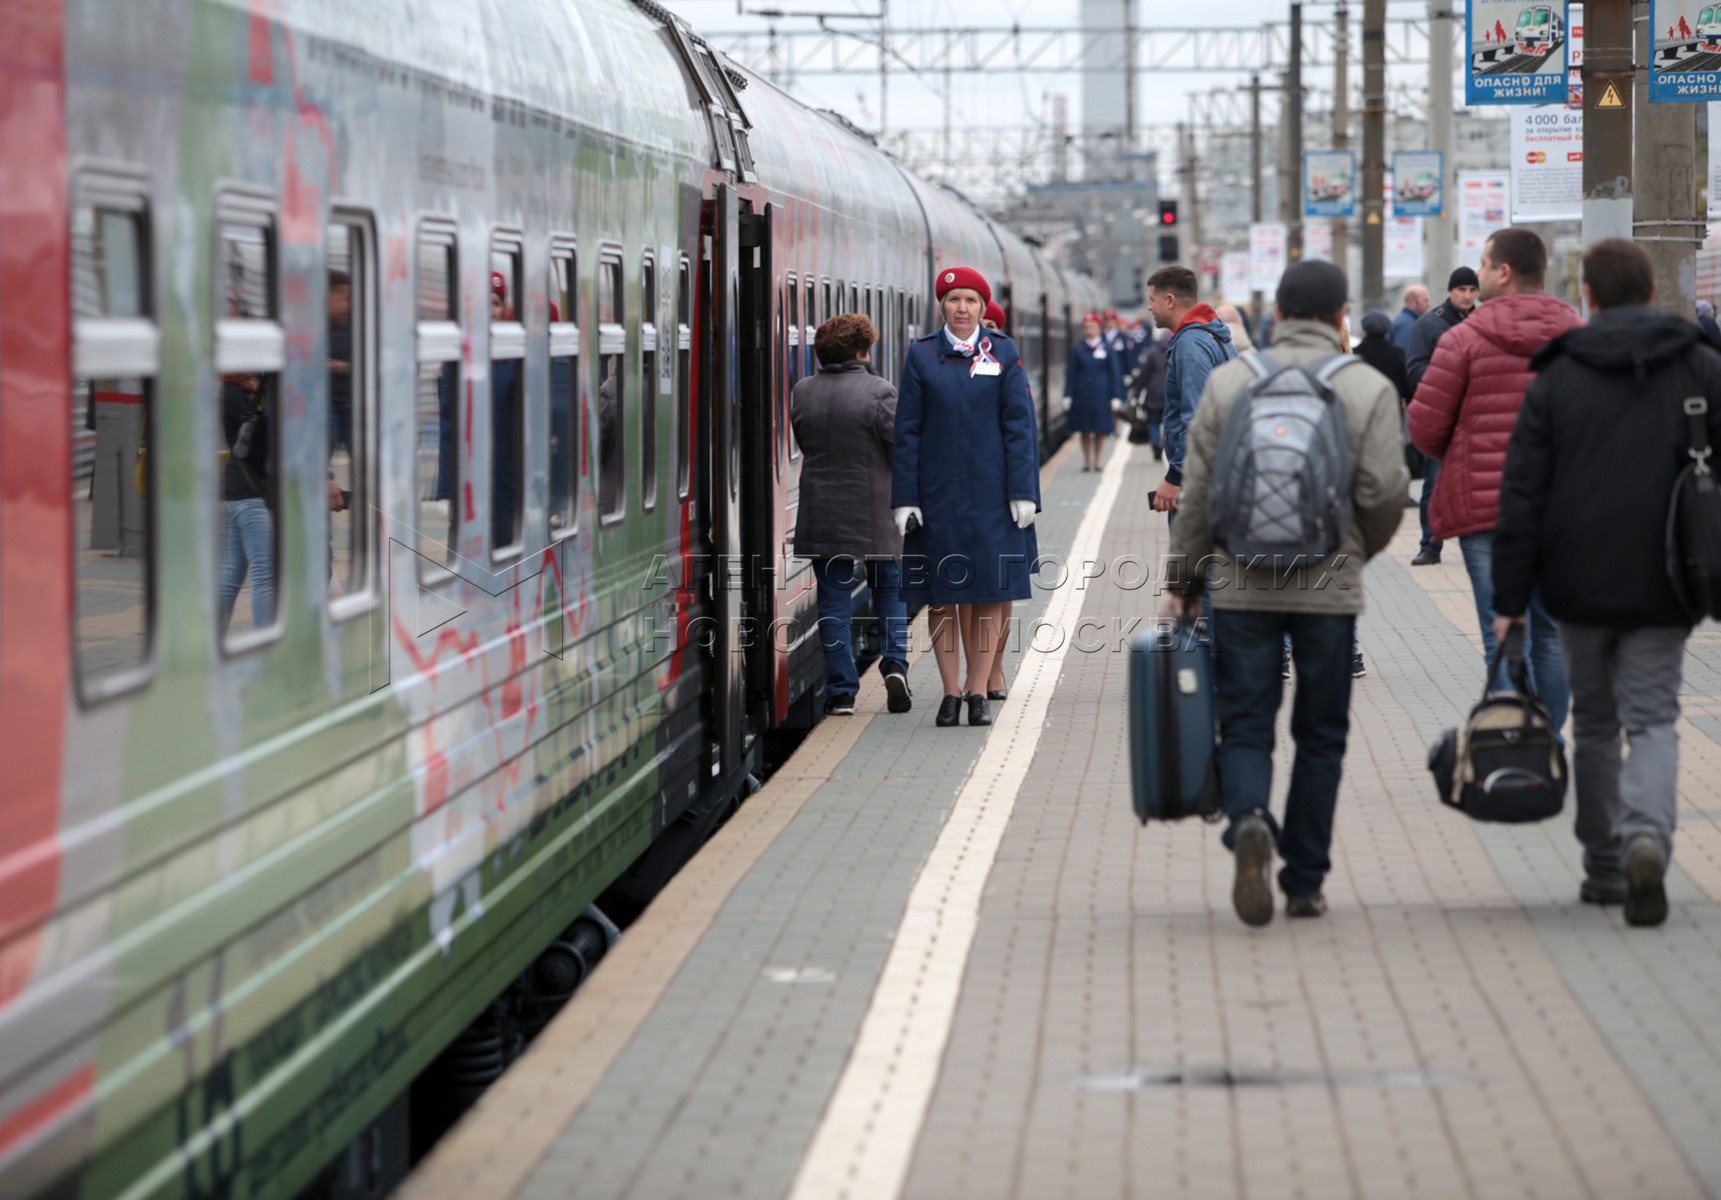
683 375
649 384
352 452
507 398
250 349
116 353
436 397
564 371
612 390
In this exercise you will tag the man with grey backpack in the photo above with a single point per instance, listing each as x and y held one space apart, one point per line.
1294 478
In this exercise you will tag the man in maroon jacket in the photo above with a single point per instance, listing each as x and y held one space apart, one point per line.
1463 414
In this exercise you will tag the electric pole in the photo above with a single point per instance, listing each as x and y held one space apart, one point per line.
1191 206
1341 122
1665 221
1437 241
1255 176
1292 202
1129 86
883 69
1609 98
1373 153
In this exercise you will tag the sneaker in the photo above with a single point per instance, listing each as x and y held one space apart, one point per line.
1358 671
1251 893
839 706
1312 905
1285 664
898 696
1646 895
1608 890
1425 558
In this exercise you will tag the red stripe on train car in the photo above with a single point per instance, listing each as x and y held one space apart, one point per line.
35 501
40 1111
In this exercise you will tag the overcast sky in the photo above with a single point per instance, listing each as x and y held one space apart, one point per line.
1009 99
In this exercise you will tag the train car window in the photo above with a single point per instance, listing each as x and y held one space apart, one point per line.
564 373
116 355
854 297
831 311
779 384
683 375
825 311
352 316
792 346
808 331
250 350
612 390
437 397
507 397
650 383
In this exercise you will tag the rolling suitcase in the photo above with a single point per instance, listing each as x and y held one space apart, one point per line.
1171 729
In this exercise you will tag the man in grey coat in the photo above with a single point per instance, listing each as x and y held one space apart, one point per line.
1255 607
844 420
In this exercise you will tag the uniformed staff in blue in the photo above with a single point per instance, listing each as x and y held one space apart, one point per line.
965 471
1092 381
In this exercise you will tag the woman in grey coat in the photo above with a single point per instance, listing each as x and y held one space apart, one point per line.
844 418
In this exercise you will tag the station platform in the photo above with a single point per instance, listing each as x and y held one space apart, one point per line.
945 963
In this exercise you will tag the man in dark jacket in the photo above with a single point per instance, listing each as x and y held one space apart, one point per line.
844 420
1376 349
1461 288
1606 394
1199 342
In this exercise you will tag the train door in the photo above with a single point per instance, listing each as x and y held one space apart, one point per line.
764 451
721 419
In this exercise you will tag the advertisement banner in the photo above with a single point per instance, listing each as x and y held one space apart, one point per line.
1402 243
1419 175
1547 164
1575 57
1318 240
1267 249
1329 178
1481 211
1517 52
1714 161
1686 62
1234 277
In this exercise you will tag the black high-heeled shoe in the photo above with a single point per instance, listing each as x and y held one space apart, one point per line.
949 711
978 712
998 694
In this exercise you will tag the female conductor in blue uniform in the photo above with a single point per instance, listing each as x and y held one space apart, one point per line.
1092 381
964 471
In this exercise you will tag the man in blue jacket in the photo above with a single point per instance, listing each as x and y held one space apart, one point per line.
1199 342
1415 304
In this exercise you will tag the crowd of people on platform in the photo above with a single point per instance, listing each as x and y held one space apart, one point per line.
1515 413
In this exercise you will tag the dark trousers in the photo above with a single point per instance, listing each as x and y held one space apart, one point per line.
837 579
1430 473
1249 688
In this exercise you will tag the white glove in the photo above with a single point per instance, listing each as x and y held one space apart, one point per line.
902 515
1118 407
1022 512
1067 403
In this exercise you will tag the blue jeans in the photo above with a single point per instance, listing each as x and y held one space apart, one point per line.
1429 473
248 546
1249 690
836 578
1542 635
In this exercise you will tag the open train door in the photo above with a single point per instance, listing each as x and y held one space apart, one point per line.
763 441
722 419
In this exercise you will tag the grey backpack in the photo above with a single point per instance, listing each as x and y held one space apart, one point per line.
1281 492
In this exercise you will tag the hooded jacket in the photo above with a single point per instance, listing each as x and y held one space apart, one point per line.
1469 399
1591 467
1200 343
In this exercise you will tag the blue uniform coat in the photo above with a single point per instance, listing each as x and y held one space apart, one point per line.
1092 383
965 446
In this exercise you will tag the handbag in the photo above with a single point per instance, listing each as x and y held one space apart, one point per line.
1693 538
1505 763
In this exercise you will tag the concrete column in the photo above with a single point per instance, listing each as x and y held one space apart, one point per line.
1372 204
1439 245
1665 220
1609 100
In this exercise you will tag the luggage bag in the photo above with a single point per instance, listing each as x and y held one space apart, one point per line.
1172 736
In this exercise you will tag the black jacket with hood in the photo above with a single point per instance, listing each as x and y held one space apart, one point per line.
1591 465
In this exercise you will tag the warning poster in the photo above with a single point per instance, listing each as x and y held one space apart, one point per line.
1685 63
1517 52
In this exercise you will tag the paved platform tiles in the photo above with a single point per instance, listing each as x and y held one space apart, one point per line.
1458 1025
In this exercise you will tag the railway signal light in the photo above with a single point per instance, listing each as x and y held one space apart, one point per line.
1168 247
1167 214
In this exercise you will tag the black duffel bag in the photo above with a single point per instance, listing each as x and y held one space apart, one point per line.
1505 763
1694 522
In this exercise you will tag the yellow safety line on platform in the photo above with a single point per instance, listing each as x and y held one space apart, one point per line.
869 1130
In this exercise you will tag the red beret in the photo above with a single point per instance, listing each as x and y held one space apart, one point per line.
963 277
498 285
994 314
1094 317
1110 315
